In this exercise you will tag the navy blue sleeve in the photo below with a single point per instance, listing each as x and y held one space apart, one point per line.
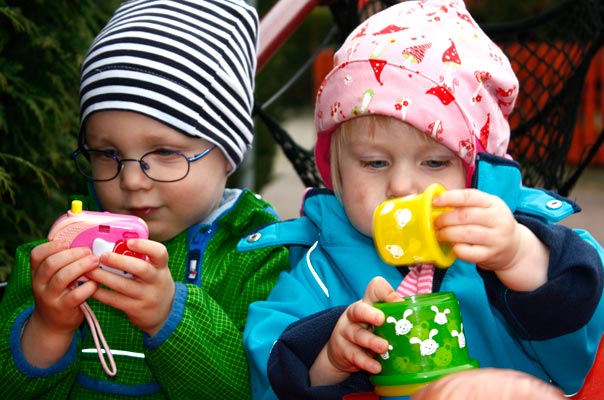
295 352
569 298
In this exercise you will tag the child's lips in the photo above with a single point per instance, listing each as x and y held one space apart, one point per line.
142 211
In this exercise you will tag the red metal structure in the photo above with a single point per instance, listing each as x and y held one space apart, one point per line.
279 23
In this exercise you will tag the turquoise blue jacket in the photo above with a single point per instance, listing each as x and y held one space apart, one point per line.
551 333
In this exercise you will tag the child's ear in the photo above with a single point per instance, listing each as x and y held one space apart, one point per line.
228 166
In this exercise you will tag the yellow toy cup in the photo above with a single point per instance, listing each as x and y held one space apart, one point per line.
403 230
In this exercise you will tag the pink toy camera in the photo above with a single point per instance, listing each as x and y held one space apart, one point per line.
100 231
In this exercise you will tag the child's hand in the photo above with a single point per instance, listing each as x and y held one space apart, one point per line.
147 298
54 269
483 230
352 345
489 383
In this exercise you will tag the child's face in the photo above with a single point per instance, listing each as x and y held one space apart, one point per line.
168 207
389 159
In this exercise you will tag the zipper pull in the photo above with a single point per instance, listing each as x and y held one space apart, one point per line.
194 258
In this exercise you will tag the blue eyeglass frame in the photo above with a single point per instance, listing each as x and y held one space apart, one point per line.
120 164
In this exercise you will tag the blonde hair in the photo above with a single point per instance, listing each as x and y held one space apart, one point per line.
338 138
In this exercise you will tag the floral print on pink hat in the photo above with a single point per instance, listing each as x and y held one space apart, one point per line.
429 64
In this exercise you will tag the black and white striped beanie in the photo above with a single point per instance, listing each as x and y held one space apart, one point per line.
188 64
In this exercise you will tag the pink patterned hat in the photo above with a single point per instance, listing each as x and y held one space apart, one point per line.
426 63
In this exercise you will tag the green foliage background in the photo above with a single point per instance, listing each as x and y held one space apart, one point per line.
41 47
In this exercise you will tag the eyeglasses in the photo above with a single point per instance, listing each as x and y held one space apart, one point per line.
158 165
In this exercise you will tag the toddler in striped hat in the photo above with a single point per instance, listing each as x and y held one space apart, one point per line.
166 98
188 65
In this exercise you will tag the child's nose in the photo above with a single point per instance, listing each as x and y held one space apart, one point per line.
403 183
132 177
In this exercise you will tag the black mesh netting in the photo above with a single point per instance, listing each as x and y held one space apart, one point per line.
551 53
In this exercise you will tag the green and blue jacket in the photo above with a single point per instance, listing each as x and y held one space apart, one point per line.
198 353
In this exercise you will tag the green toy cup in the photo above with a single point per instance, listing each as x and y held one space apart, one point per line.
426 341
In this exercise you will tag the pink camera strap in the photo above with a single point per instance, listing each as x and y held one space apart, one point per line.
99 338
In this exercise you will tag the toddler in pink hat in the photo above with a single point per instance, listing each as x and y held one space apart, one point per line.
420 95
429 65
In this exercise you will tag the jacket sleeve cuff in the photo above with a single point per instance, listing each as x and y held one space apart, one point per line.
295 352
19 358
569 298
176 315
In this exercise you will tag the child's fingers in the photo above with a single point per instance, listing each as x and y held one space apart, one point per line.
142 259
474 254
363 336
81 292
58 271
470 234
365 361
463 198
39 253
363 313
353 347
51 257
379 289
474 221
113 298
125 266
155 251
